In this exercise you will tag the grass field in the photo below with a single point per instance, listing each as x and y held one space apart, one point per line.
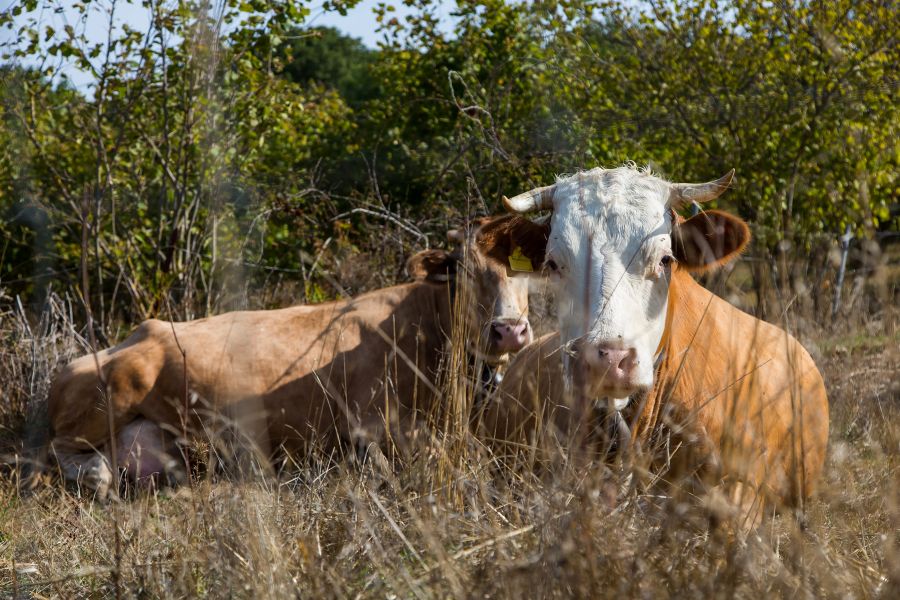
444 523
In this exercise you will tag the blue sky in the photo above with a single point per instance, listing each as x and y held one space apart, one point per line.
359 22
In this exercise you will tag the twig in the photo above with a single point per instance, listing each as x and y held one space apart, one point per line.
385 214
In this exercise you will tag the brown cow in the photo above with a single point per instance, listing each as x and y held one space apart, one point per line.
296 378
640 336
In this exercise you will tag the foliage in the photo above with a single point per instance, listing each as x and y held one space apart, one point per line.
324 55
228 144
185 136
800 97
229 140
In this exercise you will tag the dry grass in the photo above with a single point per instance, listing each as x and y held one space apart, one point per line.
447 524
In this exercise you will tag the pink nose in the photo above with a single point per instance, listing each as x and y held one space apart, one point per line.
509 335
616 366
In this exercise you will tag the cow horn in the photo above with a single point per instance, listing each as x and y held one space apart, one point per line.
684 194
537 199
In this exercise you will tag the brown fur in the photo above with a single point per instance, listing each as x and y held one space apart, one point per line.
708 240
499 238
748 388
297 377
300 376
744 392
437 266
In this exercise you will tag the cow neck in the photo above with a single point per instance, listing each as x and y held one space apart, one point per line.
660 353
487 374
649 406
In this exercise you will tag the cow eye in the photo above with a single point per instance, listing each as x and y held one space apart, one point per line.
551 266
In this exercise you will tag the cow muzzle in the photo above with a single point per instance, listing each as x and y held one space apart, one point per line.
609 370
510 335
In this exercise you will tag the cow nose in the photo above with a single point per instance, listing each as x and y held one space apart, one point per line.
509 335
616 365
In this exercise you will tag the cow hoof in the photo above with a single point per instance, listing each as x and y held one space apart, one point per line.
89 470
99 477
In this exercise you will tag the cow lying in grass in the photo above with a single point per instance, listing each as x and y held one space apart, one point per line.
289 380
638 335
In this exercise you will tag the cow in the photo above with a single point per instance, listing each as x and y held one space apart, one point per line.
643 344
320 376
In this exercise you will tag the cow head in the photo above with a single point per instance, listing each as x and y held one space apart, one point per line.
495 302
612 244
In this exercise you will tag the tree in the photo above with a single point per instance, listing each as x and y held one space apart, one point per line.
185 128
224 143
322 55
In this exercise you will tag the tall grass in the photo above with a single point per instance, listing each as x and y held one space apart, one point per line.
444 520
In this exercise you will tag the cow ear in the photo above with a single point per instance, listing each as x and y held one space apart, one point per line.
456 236
709 239
434 266
515 242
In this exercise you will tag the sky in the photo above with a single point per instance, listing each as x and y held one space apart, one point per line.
359 22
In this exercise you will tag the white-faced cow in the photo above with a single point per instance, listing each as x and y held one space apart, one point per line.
638 334
290 379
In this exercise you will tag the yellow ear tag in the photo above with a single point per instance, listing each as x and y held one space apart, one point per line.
520 262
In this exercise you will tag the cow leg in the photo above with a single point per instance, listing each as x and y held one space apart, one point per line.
749 505
87 468
238 436
143 450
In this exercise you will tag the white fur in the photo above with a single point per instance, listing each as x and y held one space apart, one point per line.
608 233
